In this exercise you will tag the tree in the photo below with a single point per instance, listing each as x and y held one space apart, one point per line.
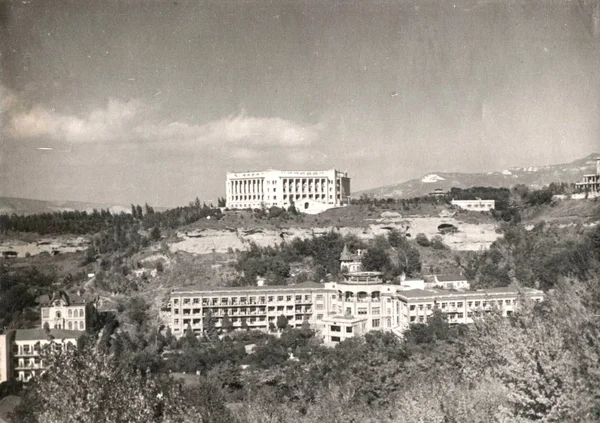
282 322
245 324
226 324
376 259
101 389
209 326
155 234
422 240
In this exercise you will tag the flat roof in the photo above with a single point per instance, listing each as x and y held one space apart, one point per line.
41 335
340 318
250 288
440 293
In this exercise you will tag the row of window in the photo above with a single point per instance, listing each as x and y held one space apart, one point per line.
70 313
214 301
459 304
244 310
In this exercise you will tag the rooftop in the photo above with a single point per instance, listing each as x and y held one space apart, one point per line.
249 288
440 293
41 335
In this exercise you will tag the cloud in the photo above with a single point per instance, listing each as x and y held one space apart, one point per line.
130 122
101 124
240 130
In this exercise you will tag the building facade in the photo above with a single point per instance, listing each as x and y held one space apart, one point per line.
20 349
591 182
475 205
338 310
308 191
64 311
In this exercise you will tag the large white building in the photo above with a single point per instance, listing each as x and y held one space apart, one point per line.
338 310
309 191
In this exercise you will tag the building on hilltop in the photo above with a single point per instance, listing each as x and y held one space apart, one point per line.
309 191
591 182
475 205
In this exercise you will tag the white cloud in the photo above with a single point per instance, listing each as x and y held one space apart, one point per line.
128 122
241 130
101 124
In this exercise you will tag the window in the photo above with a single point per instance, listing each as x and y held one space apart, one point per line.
186 301
412 307
319 297
477 303
470 303
335 339
453 304
81 325
280 298
420 306
319 306
288 298
45 313
196 301
70 313
349 329
429 306
444 305
319 317
336 328
298 298
58 314
362 311
376 310
333 297
412 318
176 311
307 297
459 304
270 298
376 323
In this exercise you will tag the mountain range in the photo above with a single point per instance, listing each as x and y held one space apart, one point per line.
26 206
534 177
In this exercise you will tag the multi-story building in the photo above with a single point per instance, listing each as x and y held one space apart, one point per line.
308 191
64 311
475 205
591 182
417 305
20 350
338 310
255 306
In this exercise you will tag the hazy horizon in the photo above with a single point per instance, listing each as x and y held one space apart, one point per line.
139 101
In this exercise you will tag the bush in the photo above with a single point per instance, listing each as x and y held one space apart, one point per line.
422 240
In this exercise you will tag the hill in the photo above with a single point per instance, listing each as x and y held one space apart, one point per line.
27 206
534 177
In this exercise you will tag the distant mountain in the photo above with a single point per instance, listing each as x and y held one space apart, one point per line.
26 206
534 176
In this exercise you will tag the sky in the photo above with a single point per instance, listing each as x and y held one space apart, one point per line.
137 101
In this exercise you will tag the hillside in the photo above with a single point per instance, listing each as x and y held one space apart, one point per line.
534 176
27 206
